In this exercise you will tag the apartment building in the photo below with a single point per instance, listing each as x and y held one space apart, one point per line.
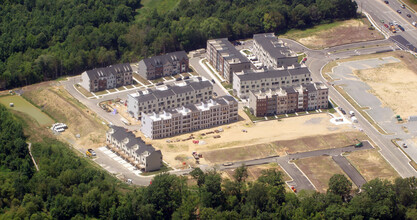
163 65
188 118
134 148
195 90
248 80
272 52
288 99
107 78
224 57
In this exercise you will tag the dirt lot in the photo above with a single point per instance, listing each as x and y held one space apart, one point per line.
255 172
319 170
395 85
337 33
372 165
260 134
58 103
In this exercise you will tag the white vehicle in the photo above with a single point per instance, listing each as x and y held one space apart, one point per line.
352 113
354 119
414 24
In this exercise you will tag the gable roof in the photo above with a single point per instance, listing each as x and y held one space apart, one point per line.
107 71
166 58
121 134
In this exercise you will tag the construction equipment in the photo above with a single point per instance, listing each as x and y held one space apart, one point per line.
359 143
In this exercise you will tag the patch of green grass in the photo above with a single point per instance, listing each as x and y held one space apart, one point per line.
155 81
251 116
297 34
247 52
163 169
227 85
83 91
140 79
301 57
101 92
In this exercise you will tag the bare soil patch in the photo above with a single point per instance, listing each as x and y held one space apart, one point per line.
319 170
258 134
372 165
395 85
58 103
345 32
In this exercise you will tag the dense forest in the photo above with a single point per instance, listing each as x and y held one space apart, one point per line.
71 187
41 39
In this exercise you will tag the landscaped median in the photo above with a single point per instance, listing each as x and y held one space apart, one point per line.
83 91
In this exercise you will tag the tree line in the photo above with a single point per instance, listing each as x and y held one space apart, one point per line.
71 187
42 40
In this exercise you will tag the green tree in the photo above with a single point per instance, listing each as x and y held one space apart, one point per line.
340 185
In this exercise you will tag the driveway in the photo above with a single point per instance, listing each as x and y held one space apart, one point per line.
351 171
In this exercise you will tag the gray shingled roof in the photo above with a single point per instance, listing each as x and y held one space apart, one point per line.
228 48
121 134
269 42
155 94
166 58
106 71
272 73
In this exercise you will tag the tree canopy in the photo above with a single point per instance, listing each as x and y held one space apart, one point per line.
42 40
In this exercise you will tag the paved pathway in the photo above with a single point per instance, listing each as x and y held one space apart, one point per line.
351 171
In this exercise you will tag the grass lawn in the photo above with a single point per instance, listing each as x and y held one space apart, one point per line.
227 86
371 165
129 87
251 116
121 88
254 172
301 57
411 4
83 91
297 34
101 93
140 79
247 52
155 81
319 170
112 90
163 169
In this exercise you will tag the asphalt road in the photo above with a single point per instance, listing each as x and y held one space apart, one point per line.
299 180
351 171
379 11
318 59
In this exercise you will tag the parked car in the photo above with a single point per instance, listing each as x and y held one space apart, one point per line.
386 2
178 79
186 77
213 81
160 84
352 113
401 27
405 145
399 11
228 164
408 15
92 152
343 111
402 6
215 94
386 25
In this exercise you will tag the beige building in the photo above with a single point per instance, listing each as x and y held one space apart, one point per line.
188 118
142 155
194 90
248 80
163 65
288 99
272 52
224 57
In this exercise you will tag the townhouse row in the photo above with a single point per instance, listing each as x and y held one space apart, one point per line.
107 78
197 89
163 65
288 99
142 155
248 80
188 118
